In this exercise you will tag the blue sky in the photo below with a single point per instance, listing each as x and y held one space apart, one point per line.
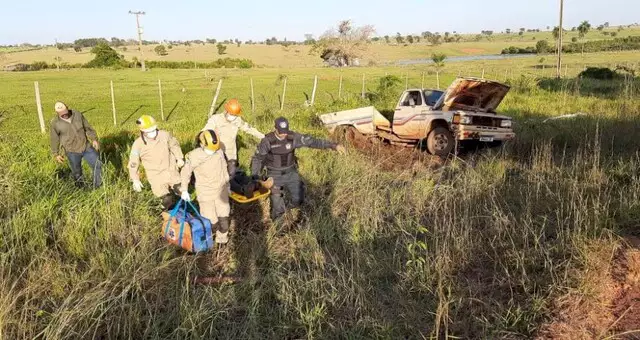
66 20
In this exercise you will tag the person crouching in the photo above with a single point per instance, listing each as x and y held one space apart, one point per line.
209 166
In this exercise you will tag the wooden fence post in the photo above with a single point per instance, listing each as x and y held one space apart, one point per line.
161 102
215 98
340 88
284 93
253 101
406 81
483 73
422 83
113 105
39 104
313 94
363 86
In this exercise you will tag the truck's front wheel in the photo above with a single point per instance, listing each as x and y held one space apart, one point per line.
440 141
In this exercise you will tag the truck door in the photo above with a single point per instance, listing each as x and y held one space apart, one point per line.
407 119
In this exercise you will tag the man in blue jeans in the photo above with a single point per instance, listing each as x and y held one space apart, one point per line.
73 132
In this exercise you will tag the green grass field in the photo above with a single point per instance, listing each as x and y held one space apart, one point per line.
482 247
298 55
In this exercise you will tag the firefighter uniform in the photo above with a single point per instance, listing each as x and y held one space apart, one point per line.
227 131
160 157
276 153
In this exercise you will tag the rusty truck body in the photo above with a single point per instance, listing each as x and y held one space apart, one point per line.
465 111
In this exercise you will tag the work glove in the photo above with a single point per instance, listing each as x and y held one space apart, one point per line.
180 163
185 196
341 149
59 158
137 186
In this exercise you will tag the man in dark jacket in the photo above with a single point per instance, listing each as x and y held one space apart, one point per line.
73 132
276 153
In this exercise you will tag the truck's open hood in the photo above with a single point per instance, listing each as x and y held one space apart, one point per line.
472 94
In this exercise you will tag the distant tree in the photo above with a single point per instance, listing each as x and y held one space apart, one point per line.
601 27
60 46
345 44
574 39
417 38
548 28
542 47
583 29
77 48
104 56
438 62
160 50
573 29
410 39
221 48
426 34
508 31
211 41
614 34
399 38
607 33
458 37
522 29
487 33
521 33
170 46
606 24
387 39
435 39
478 37
187 43
238 42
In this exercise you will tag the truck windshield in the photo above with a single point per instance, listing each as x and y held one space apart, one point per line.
432 96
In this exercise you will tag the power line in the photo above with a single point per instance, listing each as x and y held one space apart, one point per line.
138 14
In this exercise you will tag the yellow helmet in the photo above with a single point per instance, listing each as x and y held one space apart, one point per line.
146 123
209 140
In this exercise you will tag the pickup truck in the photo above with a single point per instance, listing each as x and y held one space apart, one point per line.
434 119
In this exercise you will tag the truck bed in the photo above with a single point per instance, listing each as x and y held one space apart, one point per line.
364 119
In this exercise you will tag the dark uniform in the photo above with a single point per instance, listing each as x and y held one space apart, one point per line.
278 156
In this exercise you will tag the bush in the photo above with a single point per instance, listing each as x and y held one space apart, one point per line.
220 63
160 50
518 50
542 47
105 56
601 73
221 48
523 84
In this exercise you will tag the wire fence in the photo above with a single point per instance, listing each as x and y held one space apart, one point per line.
180 98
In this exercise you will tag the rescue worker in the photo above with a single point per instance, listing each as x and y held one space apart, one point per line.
276 152
212 182
160 154
71 130
226 126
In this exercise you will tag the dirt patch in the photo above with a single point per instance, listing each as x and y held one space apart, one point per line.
473 50
607 304
389 157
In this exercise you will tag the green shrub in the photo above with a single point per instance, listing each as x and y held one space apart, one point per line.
105 56
601 73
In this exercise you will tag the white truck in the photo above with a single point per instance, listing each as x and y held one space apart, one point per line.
434 119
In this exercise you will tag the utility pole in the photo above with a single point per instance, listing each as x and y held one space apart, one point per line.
138 14
559 66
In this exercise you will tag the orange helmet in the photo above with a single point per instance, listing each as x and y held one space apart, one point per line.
233 107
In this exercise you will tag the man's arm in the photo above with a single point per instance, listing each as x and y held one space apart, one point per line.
88 129
54 139
307 141
244 126
134 162
257 162
185 175
212 123
174 147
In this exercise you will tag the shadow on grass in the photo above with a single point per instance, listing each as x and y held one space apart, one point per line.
114 150
131 114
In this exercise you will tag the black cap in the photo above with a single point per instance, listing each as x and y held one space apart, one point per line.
282 125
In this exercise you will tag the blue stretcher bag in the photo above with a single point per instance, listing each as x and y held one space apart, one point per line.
193 233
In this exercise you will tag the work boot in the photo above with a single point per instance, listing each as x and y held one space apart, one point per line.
222 238
267 184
